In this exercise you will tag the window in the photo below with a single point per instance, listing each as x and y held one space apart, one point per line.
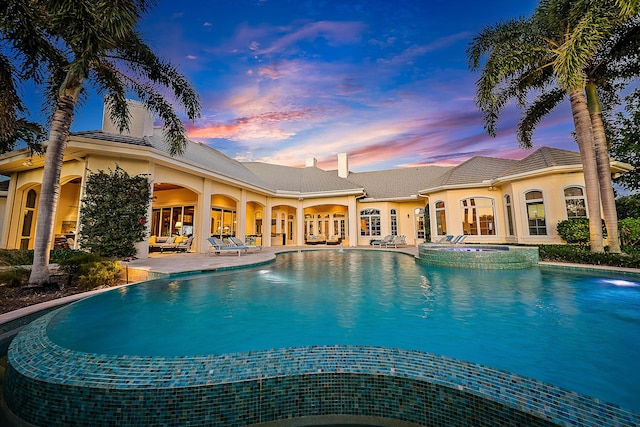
323 224
27 221
394 222
223 222
535 213
419 218
575 203
339 224
172 220
308 224
478 216
370 222
441 219
509 209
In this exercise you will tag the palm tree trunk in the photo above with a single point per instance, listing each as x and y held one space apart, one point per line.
50 189
604 170
584 136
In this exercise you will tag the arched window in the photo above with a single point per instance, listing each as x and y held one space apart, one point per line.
370 222
575 202
478 216
441 219
535 213
394 222
509 213
27 221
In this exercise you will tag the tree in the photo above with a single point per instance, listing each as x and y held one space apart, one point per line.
113 214
101 46
547 55
625 145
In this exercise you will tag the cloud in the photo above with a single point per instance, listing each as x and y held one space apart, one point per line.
262 126
334 32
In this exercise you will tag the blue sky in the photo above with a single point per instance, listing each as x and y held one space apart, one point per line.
387 82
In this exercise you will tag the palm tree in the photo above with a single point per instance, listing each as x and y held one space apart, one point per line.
101 46
548 54
614 65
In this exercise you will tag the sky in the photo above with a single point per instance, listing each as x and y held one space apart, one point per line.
387 82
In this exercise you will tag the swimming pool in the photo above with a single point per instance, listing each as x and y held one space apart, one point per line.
574 330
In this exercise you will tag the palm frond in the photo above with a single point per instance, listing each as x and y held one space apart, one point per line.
540 107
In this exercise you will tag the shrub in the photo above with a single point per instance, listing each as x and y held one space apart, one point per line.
14 277
629 229
574 230
114 213
100 273
582 255
73 265
16 257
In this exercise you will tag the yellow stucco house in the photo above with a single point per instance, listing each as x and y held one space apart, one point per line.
204 193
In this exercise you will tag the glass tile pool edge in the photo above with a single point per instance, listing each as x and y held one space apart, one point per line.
70 381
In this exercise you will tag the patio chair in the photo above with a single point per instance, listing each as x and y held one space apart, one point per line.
445 239
397 242
459 239
217 246
382 242
316 239
185 245
161 245
240 243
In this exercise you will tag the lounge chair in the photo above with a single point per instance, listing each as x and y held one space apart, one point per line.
161 243
217 246
459 239
382 242
396 242
239 242
185 245
316 239
445 239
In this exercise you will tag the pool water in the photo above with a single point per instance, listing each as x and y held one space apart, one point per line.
572 329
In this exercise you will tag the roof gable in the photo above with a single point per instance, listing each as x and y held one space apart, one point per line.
543 158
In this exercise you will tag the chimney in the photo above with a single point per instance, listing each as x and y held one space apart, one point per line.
140 125
343 165
311 162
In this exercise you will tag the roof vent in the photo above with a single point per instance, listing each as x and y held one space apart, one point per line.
311 162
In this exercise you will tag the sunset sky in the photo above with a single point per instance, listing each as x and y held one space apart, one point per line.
385 81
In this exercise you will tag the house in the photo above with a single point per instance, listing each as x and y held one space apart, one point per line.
204 193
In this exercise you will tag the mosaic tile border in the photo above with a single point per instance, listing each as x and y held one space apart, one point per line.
500 257
265 386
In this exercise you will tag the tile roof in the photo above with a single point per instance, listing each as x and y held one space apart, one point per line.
543 158
195 153
304 180
103 136
397 183
476 170
385 184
